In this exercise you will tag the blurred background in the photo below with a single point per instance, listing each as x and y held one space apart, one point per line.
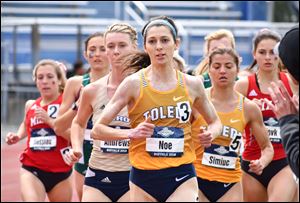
33 30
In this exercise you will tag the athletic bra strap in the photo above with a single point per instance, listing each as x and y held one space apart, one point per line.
240 106
180 78
144 81
86 79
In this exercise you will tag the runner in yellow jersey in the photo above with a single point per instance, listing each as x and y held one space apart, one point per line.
218 167
160 100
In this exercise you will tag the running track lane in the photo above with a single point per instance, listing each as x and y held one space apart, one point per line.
10 166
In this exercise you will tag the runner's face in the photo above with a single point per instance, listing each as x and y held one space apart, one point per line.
223 70
264 55
160 45
95 54
118 45
47 81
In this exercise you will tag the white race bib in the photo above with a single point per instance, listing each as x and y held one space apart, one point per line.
166 142
42 139
219 156
63 152
274 134
42 143
115 146
218 161
87 135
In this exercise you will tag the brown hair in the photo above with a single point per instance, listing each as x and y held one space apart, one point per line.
223 51
262 35
96 34
165 18
136 61
58 70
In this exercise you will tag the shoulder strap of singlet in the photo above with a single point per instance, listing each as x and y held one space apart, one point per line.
180 78
143 78
145 82
86 79
241 101
252 83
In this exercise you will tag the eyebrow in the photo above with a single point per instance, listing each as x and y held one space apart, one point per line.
42 74
264 49
221 63
120 42
159 36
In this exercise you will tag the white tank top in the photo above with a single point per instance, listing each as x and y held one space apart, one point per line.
109 155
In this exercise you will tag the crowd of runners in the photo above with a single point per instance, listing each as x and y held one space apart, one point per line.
137 127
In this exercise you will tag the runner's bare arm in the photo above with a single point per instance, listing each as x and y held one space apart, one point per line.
126 93
12 138
65 113
205 107
242 86
254 117
84 112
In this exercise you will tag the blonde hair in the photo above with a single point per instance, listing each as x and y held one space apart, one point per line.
57 68
179 62
219 34
123 28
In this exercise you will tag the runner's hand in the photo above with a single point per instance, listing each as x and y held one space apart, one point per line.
12 138
143 130
256 167
205 137
72 156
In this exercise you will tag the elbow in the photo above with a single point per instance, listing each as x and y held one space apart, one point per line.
99 132
95 133
58 129
220 126
269 146
270 150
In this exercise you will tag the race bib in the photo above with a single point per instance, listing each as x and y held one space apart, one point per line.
87 135
63 152
273 128
53 110
166 142
115 146
185 111
219 157
43 139
274 134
